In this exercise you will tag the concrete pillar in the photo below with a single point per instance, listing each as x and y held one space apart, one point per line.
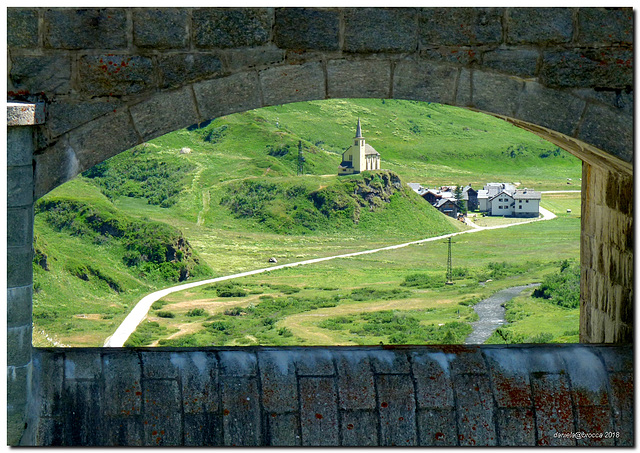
21 117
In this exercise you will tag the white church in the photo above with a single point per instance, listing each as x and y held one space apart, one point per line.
359 157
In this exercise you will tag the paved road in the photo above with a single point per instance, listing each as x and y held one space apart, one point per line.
139 312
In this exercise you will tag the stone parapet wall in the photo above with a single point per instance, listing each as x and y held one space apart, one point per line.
411 396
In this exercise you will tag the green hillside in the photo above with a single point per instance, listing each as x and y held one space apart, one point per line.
223 197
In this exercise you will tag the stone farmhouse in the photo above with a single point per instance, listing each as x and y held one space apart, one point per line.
359 157
503 199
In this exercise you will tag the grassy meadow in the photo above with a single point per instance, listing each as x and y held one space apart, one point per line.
154 216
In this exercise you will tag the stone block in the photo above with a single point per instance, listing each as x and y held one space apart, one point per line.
519 62
22 27
241 411
231 27
605 25
319 412
433 380
474 409
463 91
397 410
359 429
314 362
554 109
235 93
35 74
161 28
293 83
553 407
95 28
356 387
380 30
19 226
539 25
81 403
122 389
203 430
516 427
159 365
19 186
468 361
496 93
424 81
464 56
19 306
64 115
238 363
588 376
165 113
609 68
622 407
243 59
437 428
608 130
594 422
460 26
284 430
199 382
162 413
19 267
115 75
48 380
180 68
48 432
617 358
279 382
307 29
510 389
19 145
82 365
364 78
389 362
18 386
119 432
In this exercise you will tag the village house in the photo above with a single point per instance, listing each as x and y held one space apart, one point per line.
359 157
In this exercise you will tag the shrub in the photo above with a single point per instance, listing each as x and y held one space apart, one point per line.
423 281
165 314
197 312
285 332
562 288
158 304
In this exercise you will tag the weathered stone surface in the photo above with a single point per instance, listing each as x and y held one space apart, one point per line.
359 429
599 127
617 359
380 30
241 410
588 377
104 28
460 26
19 186
496 93
468 361
115 75
437 428
605 25
557 111
389 362
474 409
510 387
179 68
238 60
539 25
520 62
165 113
22 114
356 387
49 432
516 427
284 430
86 400
319 412
63 115
463 92
607 67
122 431
232 27
314 362
22 27
19 306
231 94
293 83
279 383
20 229
554 413
36 74
450 54
19 266
366 78
203 430
199 382
172 34
163 427
18 383
622 397
80 365
307 29
238 363
433 381
397 410
424 81
594 422
122 389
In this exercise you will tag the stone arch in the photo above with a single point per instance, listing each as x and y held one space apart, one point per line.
111 78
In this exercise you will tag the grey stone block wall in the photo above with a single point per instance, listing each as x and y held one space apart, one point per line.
414 396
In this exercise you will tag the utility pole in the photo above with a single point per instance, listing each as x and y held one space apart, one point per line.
449 267
301 159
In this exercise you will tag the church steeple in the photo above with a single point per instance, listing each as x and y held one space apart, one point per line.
358 130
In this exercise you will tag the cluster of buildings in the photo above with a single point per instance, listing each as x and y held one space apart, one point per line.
496 199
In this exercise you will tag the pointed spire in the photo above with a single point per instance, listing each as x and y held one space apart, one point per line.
358 130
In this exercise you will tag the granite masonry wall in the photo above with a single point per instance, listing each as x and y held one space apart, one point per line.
111 78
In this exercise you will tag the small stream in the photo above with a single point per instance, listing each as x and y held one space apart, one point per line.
491 313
